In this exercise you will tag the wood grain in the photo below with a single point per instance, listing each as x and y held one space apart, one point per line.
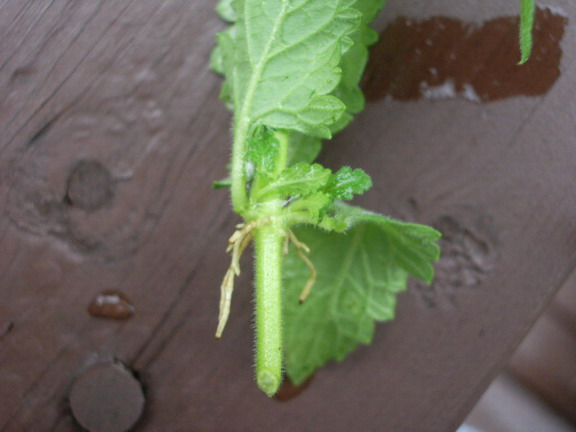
125 86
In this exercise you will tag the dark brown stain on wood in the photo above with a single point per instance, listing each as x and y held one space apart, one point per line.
443 57
111 304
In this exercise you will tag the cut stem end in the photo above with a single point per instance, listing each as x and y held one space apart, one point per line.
268 383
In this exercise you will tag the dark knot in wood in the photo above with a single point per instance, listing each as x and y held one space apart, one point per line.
107 397
469 252
90 186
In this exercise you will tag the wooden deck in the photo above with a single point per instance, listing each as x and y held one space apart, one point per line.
111 134
537 390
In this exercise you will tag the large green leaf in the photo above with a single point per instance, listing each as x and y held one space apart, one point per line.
286 62
359 274
305 62
296 64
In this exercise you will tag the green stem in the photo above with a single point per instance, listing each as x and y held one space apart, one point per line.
269 242
243 120
282 159
238 187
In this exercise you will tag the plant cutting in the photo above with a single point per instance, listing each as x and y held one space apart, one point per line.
326 271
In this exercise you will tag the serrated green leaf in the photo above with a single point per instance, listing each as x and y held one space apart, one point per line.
354 62
221 60
349 49
311 119
347 182
359 274
222 55
286 62
527 12
316 53
415 244
297 180
216 60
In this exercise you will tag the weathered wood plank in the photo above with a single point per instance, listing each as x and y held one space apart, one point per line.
545 362
126 84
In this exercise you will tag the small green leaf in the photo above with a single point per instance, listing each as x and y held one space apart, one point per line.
347 182
359 274
297 180
527 12
263 149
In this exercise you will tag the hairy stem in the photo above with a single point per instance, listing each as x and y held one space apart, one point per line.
243 121
238 188
269 242
282 158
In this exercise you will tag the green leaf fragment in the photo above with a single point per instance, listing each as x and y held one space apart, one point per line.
296 180
309 209
263 150
221 60
527 12
354 61
346 182
222 184
226 10
359 274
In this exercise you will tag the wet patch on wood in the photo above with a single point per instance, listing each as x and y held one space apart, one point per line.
111 304
444 58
